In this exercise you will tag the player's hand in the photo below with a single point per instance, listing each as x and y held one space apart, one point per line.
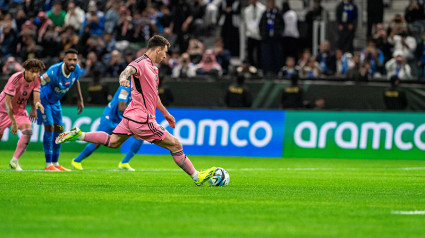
80 105
40 107
33 114
125 83
14 129
171 120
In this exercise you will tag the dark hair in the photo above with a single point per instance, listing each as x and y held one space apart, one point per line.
156 41
33 64
71 51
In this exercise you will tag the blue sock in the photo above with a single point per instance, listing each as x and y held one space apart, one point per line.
48 145
56 148
90 148
134 148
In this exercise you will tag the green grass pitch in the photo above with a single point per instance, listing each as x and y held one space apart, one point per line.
265 198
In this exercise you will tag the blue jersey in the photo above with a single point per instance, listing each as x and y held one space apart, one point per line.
111 111
59 84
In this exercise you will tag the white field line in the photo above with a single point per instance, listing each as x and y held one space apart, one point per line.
408 212
230 169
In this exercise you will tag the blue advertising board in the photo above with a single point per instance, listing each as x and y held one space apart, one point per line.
223 132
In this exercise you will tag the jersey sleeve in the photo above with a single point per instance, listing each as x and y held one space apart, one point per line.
137 67
11 86
51 73
78 72
122 97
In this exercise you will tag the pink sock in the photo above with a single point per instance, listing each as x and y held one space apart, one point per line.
183 162
98 137
22 145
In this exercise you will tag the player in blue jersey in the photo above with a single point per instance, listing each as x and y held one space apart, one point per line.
111 117
56 82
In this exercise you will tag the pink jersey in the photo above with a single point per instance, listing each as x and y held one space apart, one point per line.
144 91
21 90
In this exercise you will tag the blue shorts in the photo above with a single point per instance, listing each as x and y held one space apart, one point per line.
107 125
52 114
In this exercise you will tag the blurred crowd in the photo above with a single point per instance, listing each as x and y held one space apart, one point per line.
110 34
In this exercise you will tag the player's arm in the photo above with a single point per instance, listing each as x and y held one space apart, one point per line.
45 79
9 108
35 104
122 100
127 72
80 102
167 115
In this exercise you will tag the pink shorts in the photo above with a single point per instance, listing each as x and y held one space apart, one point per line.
149 132
21 118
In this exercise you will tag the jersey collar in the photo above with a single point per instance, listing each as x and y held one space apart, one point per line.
63 71
148 58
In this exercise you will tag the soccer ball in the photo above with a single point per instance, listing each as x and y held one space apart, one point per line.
220 178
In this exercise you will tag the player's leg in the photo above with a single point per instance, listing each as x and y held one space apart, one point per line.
134 148
21 146
164 139
57 129
105 126
46 118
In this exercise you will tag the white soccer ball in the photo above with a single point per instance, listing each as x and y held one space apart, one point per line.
220 178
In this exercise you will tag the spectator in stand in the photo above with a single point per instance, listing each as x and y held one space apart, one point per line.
8 17
165 93
57 15
11 66
271 30
414 12
289 69
347 16
95 19
48 41
164 21
247 70
396 25
375 14
343 62
69 38
252 16
209 65
292 96
185 68
109 43
291 34
238 95
93 64
316 13
74 17
381 39
394 97
420 56
358 72
311 69
403 42
374 57
397 66
21 18
230 21
195 50
8 41
304 57
112 16
326 59
222 55
116 65
43 24
182 18
124 29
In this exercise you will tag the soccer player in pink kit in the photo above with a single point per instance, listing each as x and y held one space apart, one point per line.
139 117
13 100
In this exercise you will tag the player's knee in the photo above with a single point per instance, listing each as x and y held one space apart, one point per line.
58 128
176 145
27 132
49 128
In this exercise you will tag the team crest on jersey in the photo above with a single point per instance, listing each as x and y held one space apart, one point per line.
24 93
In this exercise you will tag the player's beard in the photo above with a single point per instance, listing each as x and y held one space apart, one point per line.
69 68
